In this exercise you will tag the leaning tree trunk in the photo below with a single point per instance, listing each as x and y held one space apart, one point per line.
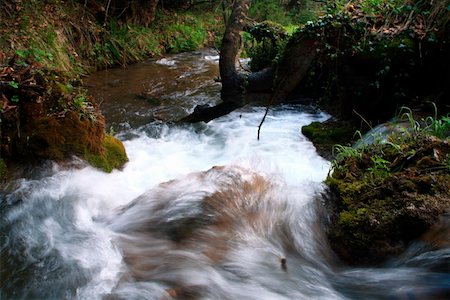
278 81
233 83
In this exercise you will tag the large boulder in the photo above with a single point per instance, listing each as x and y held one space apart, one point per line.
384 196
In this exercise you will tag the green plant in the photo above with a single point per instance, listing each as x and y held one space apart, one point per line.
264 43
446 162
33 53
262 10
431 125
186 36
111 132
13 84
414 128
80 102
438 127
380 168
397 147
341 152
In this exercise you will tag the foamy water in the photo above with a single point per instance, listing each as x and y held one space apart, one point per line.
59 218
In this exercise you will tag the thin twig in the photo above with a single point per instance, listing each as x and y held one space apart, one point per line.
242 67
362 118
269 104
263 119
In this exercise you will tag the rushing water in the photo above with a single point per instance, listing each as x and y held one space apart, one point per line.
200 211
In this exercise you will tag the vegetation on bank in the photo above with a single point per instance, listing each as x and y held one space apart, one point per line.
48 116
372 56
72 38
46 46
327 134
389 189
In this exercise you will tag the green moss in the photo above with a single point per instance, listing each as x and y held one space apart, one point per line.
325 135
113 155
353 218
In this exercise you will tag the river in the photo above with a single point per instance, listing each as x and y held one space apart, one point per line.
203 211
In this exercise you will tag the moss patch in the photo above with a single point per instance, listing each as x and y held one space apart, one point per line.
112 156
325 135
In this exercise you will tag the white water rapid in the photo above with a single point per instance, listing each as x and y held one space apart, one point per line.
200 211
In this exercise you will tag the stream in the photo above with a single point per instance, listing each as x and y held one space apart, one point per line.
202 211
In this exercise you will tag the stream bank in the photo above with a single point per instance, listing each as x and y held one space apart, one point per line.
47 48
384 195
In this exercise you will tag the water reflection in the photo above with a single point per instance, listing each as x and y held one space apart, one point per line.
165 89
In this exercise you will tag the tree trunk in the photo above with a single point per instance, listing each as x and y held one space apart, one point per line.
279 80
233 82
293 67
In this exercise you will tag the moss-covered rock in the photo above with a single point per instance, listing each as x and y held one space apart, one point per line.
385 196
325 135
112 155
45 117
